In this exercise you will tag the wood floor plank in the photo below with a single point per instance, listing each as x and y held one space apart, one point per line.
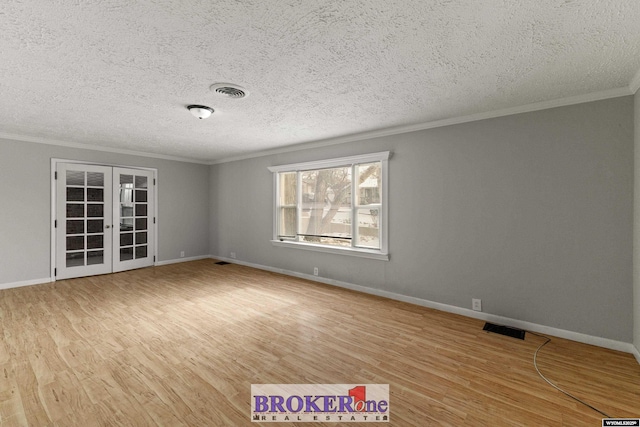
123 411
10 400
34 410
64 396
180 345
101 385
61 329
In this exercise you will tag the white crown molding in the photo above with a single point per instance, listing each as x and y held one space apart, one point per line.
507 321
635 83
561 102
50 141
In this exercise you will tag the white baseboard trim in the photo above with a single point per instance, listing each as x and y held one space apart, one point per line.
635 352
49 279
25 283
507 321
177 260
534 327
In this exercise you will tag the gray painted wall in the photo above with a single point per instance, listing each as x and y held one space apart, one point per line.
25 211
532 213
636 229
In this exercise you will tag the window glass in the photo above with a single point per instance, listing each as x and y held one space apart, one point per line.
325 203
338 206
288 209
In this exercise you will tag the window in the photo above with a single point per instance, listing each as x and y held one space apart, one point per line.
336 205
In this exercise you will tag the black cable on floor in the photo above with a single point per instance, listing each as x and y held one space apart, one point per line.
535 364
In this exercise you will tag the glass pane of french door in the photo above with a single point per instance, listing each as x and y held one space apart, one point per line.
133 218
105 218
83 213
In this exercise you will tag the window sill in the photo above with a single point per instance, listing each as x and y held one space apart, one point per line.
357 252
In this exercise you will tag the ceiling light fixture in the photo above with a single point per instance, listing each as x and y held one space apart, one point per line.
229 90
200 111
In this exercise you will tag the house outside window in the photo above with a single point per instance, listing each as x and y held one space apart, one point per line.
336 205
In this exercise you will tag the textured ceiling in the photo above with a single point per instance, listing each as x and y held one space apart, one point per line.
119 74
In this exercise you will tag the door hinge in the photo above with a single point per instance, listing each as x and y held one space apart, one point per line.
55 272
154 258
55 175
154 181
154 219
55 223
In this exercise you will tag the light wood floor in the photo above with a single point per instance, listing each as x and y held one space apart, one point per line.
181 344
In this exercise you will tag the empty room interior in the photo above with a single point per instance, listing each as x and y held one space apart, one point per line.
435 202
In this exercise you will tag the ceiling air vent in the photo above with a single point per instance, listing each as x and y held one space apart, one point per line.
229 90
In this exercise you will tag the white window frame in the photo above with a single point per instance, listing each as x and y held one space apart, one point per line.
383 221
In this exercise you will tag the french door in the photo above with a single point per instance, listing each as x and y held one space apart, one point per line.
104 219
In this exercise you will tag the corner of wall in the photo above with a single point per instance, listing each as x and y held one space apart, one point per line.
213 226
636 353
636 227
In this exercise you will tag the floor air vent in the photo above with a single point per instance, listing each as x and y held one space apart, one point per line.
222 263
504 330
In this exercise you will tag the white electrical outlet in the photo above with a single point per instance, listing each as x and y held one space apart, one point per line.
476 304
315 271
181 254
233 255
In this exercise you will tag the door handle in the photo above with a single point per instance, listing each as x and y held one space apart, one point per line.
107 226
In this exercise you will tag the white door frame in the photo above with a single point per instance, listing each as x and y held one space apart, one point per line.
54 166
